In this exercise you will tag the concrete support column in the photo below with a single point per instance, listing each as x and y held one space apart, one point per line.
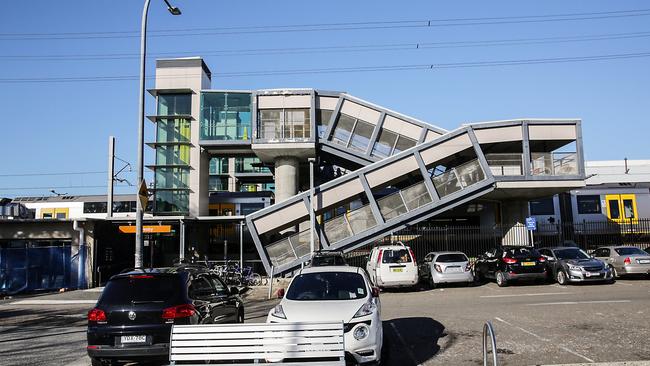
286 177
513 214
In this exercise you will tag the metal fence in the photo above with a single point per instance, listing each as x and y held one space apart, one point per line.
28 268
475 240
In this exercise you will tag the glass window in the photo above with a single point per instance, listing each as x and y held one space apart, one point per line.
384 145
126 290
297 124
123 206
343 129
630 251
173 130
573 253
225 116
451 258
249 208
327 286
218 166
614 210
395 256
628 208
174 104
218 183
171 178
588 204
95 207
403 143
61 215
47 215
542 206
323 117
172 201
173 155
270 124
522 252
250 164
361 136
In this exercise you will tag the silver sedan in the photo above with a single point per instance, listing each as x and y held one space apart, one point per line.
445 267
624 260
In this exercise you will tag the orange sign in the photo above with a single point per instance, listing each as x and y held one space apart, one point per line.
147 229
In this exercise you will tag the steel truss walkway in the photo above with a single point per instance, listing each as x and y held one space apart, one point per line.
411 171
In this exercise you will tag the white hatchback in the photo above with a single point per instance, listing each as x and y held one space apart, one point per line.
336 293
392 266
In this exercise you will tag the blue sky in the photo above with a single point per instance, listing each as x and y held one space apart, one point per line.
63 127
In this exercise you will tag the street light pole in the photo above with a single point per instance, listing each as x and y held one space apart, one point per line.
312 216
143 55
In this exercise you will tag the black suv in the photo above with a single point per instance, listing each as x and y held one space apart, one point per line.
508 263
133 317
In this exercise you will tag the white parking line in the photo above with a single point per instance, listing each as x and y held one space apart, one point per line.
580 302
624 284
546 340
53 302
539 294
409 351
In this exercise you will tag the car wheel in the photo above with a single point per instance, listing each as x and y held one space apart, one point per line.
96 361
501 279
561 278
478 277
240 316
432 284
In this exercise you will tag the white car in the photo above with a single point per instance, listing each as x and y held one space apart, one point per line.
336 293
392 266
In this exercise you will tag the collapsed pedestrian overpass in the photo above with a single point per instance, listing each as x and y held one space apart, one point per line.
408 171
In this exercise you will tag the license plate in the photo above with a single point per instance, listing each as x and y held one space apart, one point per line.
527 264
644 261
592 274
454 269
133 339
397 269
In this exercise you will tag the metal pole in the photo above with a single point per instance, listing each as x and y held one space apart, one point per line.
271 283
111 175
241 245
139 209
312 215
181 247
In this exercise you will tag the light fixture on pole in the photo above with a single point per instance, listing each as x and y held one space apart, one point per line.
139 244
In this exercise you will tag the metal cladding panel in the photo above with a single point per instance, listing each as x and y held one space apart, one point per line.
402 127
552 132
283 101
361 112
281 217
337 194
327 103
499 134
391 171
443 150
431 135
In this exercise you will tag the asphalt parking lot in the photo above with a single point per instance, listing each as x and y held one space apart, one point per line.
535 325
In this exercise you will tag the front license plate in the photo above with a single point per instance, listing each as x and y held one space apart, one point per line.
133 339
527 264
397 270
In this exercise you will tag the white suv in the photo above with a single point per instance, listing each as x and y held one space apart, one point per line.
336 293
392 266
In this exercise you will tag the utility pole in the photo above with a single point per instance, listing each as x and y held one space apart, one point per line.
312 215
111 175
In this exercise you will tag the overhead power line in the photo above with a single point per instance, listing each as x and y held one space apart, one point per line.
49 174
339 49
51 187
321 27
432 66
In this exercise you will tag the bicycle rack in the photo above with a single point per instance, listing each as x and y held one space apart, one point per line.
488 330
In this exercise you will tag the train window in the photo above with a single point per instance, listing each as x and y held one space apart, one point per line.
614 210
588 204
628 208
542 206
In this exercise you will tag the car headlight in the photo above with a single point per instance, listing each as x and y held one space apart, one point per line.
278 312
360 332
366 309
574 268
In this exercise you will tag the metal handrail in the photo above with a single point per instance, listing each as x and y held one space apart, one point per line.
488 329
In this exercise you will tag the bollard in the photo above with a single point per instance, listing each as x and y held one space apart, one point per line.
488 329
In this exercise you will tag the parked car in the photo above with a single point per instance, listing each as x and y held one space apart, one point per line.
336 293
510 263
327 258
445 267
392 266
571 264
133 317
624 260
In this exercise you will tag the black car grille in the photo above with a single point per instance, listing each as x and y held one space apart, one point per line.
593 268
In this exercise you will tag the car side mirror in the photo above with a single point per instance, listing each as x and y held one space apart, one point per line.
375 292
280 293
234 291
550 259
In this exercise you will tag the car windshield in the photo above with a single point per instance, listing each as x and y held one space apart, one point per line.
450 258
571 254
392 256
141 289
520 252
327 286
327 260
630 251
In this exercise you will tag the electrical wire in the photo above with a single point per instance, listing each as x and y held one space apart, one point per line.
452 65
426 23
